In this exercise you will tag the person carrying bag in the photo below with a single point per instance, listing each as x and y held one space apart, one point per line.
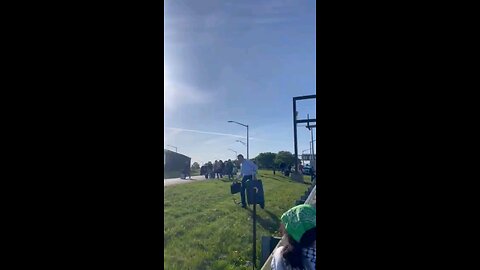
248 172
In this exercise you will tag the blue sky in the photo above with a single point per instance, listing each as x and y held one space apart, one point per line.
242 61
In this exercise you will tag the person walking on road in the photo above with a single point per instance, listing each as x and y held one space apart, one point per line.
221 168
210 173
203 171
186 171
229 169
216 168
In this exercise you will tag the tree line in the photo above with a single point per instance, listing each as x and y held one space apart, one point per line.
268 160
271 160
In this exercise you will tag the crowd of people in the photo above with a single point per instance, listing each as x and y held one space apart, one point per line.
284 169
218 169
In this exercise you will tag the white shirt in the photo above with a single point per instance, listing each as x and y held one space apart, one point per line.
248 168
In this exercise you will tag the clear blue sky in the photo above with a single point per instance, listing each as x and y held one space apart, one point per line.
237 60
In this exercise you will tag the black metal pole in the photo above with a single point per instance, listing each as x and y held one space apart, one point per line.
311 161
254 227
313 156
295 132
247 142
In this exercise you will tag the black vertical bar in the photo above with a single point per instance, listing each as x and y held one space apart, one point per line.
247 144
310 144
312 160
295 132
254 227
313 148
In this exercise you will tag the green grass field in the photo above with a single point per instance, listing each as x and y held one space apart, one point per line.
204 229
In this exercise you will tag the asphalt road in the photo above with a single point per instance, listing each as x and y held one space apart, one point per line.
177 181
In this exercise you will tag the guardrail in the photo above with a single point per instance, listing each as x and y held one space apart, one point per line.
311 199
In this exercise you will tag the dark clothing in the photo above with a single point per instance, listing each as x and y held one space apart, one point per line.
217 170
229 167
244 186
186 171
229 170
209 171
222 169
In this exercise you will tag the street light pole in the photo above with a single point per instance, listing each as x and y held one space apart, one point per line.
313 148
244 144
254 213
241 142
247 143
247 132
233 151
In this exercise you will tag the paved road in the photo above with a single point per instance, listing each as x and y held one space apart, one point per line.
176 181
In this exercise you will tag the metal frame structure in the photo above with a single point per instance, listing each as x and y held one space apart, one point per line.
295 122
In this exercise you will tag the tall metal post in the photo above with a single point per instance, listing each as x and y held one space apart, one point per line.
313 148
247 143
295 132
230 121
254 213
312 152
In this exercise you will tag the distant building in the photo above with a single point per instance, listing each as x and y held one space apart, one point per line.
174 163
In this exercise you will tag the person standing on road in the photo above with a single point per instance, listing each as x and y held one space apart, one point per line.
210 170
186 171
221 166
248 171
216 166
203 171
229 169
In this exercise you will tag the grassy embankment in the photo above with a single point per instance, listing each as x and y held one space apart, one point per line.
204 229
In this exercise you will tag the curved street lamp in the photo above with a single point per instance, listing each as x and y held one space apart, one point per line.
240 142
247 132
233 151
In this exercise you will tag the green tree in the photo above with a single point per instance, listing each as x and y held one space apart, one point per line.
195 166
285 157
266 160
